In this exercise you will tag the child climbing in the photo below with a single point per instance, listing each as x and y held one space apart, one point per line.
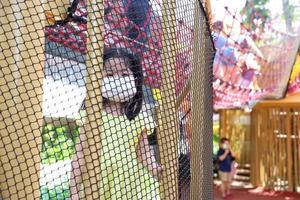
128 168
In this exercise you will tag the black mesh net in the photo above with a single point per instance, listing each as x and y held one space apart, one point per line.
96 99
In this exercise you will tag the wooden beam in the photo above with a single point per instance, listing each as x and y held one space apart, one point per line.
277 105
288 126
290 101
168 124
21 75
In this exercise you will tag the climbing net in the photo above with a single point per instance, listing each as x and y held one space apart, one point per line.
98 99
256 47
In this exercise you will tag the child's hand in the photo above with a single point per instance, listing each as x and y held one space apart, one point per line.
156 170
227 151
229 147
75 197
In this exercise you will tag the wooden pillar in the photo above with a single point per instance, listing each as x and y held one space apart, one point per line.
255 158
21 75
273 146
253 132
296 129
167 113
91 175
288 126
223 120
201 143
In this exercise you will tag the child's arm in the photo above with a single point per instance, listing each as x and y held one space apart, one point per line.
145 155
77 163
223 156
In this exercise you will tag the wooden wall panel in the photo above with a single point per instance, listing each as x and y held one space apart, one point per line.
275 141
235 125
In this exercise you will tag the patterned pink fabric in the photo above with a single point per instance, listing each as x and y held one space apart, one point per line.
73 35
184 39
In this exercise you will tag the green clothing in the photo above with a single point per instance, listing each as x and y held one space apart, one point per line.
122 175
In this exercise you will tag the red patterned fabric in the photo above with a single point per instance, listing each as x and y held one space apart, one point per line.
73 35
184 39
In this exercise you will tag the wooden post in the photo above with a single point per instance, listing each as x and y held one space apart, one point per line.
295 148
297 131
256 132
167 113
281 150
223 119
91 147
201 143
21 75
273 146
253 133
288 123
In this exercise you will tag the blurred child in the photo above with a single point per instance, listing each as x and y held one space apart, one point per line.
225 158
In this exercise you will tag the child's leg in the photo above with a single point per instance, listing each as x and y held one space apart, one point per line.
223 188
228 186
77 163
75 179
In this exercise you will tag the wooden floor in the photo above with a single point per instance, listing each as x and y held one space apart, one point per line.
243 194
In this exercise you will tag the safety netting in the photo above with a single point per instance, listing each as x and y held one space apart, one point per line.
256 42
97 100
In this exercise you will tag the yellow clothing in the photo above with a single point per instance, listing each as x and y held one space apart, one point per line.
122 175
296 70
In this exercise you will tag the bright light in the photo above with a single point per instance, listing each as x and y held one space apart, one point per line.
248 110
61 99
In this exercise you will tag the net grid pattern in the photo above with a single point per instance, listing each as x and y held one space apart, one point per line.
96 100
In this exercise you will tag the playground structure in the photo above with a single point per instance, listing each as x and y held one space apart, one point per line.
275 160
235 124
263 130
267 140
261 47
51 73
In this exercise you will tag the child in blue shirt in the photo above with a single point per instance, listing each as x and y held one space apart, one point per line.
225 158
